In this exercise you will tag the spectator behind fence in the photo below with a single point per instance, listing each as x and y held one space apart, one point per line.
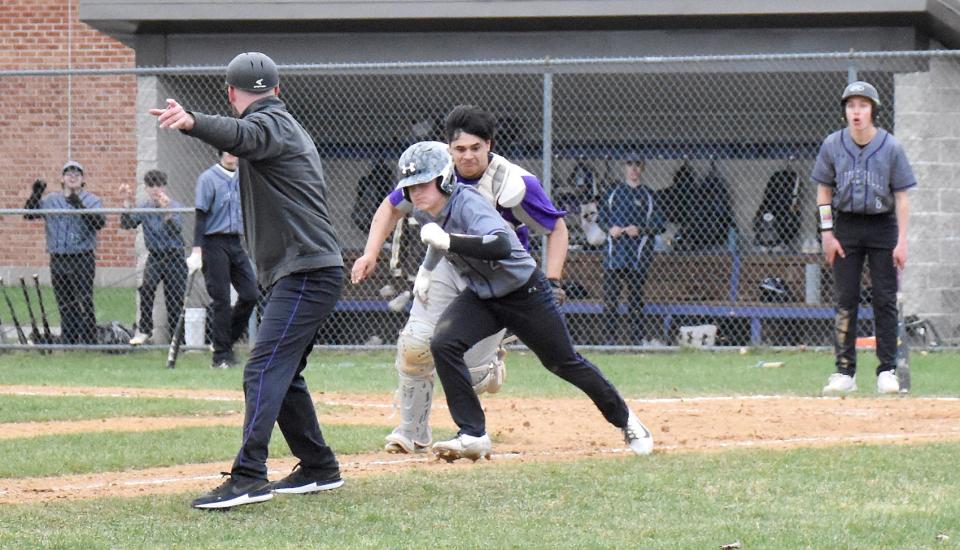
71 242
162 234
218 251
632 219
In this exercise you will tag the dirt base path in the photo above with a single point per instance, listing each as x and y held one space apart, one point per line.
523 429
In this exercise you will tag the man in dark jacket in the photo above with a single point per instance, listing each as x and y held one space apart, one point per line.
297 256
632 219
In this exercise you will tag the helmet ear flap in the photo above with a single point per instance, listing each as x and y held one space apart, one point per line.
446 181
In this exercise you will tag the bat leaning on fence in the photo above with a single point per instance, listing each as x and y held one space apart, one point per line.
21 337
35 336
47 335
903 349
176 340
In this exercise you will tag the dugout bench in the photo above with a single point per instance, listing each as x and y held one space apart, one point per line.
681 288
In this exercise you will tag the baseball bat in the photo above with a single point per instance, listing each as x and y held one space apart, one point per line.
21 337
395 269
903 349
47 335
178 333
35 337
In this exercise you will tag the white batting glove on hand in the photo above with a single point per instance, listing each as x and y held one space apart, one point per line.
421 285
436 237
194 262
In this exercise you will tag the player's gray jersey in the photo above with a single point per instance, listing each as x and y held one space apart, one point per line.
469 213
864 179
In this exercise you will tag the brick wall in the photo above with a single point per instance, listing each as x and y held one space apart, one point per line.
45 119
928 125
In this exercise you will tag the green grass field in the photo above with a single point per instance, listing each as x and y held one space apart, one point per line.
110 304
855 496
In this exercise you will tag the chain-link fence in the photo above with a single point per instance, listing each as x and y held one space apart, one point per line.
724 146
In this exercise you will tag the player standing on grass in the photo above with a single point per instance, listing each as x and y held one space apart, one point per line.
297 256
862 177
521 201
504 290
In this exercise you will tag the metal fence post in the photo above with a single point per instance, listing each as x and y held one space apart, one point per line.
547 176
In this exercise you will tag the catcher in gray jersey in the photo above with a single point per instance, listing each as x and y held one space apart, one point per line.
504 290
521 202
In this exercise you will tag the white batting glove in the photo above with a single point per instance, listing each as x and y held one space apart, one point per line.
421 285
436 237
194 262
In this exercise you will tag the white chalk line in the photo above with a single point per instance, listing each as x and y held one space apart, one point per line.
754 443
364 404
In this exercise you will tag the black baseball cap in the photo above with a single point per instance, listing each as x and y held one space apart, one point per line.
253 72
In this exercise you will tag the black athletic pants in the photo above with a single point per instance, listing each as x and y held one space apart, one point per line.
531 313
72 279
225 263
613 282
170 268
870 240
273 386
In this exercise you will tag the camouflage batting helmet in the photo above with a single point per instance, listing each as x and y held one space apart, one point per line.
253 71
426 161
862 89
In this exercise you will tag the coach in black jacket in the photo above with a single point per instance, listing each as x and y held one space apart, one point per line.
295 249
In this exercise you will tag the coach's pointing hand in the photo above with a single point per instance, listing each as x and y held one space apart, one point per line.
173 117
436 237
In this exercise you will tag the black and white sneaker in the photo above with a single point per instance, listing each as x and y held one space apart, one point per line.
234 492
637 436
301 481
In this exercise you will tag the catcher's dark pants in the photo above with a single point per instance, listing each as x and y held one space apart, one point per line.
531 313
225 263
273 386
869 239
170 268
72 278
613 282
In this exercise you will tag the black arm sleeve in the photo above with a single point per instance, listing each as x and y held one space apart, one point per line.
199 227
487 247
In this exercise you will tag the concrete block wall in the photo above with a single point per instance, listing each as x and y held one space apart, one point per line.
927 121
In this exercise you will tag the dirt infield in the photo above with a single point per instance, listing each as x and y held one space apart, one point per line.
525 430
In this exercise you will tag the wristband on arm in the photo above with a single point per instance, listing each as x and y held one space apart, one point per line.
824 217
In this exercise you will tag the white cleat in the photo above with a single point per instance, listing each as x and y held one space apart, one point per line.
840 383
887 382
398 443
463 446
139 339
637 436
